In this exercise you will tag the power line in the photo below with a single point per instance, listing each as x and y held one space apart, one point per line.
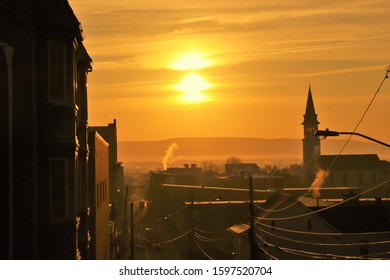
372 100
209 232
282 249
268 254
206 239
331 256
324 233
174 239
387 69
325 208
319 255
204 253
324 244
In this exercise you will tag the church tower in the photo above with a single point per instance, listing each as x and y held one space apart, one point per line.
311 144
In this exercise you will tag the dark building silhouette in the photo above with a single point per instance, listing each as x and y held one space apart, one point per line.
109 134
99 197
311 144
43 96
116 178
358 171
242 169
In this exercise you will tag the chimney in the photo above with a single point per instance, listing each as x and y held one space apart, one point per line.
186 165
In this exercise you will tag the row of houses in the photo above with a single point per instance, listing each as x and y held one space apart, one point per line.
57 172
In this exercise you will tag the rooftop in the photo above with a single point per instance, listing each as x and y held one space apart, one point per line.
353 162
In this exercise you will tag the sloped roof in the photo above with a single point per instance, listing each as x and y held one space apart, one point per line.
275 201
357 218
353 162
288 206
239 228
313 202
310 115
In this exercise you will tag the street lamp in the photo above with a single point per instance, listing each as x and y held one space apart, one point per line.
323 134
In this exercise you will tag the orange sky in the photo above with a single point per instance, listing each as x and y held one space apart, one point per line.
253 59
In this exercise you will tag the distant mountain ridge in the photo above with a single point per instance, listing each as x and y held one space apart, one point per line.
219 148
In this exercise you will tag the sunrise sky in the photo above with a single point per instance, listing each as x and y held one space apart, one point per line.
170 68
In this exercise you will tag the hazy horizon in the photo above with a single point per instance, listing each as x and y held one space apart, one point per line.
265 151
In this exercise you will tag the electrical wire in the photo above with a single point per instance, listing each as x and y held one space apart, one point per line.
387 69
318 255
206 239
209 232
218 246
204 253
174 239
356 127
325 233
268 254
324 244
325 208
280 250
332 256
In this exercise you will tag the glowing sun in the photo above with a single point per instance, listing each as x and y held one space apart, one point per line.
190 61
192 85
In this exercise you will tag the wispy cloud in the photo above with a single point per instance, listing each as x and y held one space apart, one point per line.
261 49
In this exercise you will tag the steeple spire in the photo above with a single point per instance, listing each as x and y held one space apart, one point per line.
310 116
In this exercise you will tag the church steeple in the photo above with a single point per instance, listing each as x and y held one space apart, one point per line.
311 144
310 116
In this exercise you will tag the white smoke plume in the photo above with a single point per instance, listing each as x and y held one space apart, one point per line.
169 155
318 182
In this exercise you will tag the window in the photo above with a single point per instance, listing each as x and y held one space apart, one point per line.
273 224
57 71
58 188
309 225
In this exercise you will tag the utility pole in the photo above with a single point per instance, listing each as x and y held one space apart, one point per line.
9 53
124 233
131 231
251 232
191 242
